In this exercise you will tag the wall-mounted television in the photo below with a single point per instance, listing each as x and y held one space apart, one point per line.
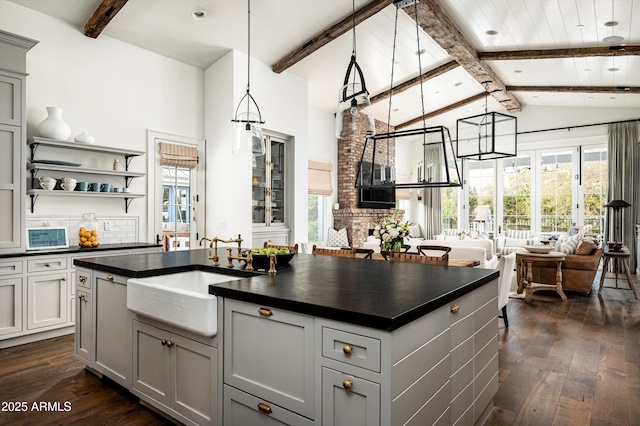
378 197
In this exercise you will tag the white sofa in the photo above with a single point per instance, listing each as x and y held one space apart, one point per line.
476 249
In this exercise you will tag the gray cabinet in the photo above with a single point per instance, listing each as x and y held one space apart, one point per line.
177 372
13 50
283 341
349 400
84 329
113 332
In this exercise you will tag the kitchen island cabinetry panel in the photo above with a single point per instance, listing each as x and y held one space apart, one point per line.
113 323
288 351
349 400
10 305
176 372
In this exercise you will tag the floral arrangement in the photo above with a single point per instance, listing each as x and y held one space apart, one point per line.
391 232
464 233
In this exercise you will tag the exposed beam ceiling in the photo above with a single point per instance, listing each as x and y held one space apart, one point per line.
102 16
329 34
582 52
415 81
448 108
574 89
439 27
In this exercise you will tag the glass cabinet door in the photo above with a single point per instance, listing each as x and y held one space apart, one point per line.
268 183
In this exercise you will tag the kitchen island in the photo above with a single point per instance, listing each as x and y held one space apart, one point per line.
326 340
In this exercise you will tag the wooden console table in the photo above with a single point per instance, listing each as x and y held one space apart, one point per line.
623 256
524 260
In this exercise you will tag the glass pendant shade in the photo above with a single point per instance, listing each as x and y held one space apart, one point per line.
354 108
247 137
487 136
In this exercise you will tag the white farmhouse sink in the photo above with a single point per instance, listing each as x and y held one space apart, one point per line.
180 299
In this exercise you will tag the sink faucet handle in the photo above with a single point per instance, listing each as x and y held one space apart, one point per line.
203 239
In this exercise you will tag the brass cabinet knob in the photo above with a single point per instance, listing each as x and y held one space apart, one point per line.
109 277
81 296
347 349
48 265
347 384
164 342
455 308
63 278
170 343
264 408
265 311
82 279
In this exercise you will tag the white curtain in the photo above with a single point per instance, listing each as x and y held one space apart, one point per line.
433 196
624 182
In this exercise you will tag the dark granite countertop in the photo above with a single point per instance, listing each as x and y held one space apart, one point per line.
83 251
374 293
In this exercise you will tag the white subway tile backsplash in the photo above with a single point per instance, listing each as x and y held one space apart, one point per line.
124 229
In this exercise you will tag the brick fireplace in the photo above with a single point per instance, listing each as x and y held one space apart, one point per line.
349 216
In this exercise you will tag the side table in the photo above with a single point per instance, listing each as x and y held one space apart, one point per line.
525 260
623 256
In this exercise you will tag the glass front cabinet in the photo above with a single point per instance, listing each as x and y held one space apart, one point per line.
269 199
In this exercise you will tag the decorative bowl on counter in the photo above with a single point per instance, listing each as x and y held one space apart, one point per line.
261 261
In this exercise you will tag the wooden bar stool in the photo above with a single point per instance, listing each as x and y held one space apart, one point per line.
617 255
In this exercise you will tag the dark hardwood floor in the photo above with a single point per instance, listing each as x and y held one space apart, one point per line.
573 363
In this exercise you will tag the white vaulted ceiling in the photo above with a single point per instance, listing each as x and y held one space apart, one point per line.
280 26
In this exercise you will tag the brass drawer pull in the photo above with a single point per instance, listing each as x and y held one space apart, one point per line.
347 384
82 279
63 278
265 311
264 408
164 342
170 343
347 349
48 265
110 277
81 296
455 309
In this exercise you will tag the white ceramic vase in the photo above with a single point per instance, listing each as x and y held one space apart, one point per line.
53 126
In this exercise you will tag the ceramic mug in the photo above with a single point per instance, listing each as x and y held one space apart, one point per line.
70 181
125 189
105 187
68 186
117 189
47 179
83 186
48 185
95 187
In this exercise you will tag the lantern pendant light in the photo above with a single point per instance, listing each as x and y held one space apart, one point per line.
353 97
247 136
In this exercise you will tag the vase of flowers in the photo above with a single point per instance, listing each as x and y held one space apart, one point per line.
391 232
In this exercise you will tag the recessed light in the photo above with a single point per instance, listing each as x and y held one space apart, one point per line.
491 32
612 97
611 24
517 71
395 110
458 84
199 14
421 51
587 69
590 97
613 39
613 69
536 96
437 93
580 26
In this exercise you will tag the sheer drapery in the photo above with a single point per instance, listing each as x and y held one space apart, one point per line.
433 196
624 181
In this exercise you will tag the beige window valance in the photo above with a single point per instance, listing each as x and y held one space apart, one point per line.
320 178
403 193
175 155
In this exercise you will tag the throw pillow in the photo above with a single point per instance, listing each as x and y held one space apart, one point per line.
586 247
518 234
569 246
337 238
414 231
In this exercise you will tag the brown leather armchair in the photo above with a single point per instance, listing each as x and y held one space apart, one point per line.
578 271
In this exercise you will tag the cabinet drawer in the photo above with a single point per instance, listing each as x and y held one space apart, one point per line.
352 349
11 267
349 400
83 278
47 264
241 409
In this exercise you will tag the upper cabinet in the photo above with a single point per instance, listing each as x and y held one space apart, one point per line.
54 163
13 51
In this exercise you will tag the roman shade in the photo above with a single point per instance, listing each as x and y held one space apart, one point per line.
175 155
320 178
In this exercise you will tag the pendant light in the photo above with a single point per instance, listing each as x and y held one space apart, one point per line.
437 166
353 97
247 136
487 136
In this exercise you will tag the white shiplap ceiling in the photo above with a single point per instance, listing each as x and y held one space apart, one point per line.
279 26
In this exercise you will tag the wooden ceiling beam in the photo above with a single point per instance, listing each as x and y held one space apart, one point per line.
575 89
102 16
331 33
440 111
415 81
441 29
580 52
